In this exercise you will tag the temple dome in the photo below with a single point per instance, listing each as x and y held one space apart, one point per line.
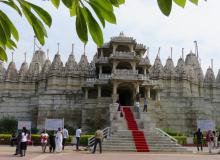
169 68
83 63
145 61
192 60
57 63
156 71
218 77
181 69
71 63
209 76
2 71
46 66
23 71
11 73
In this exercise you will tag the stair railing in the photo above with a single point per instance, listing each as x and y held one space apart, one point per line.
106 134
165 134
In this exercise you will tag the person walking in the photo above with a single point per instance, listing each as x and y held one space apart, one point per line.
58 141
98 140
145 104
18 144
24 139
44 140
199 137
78 135
209 140
52 141
65 136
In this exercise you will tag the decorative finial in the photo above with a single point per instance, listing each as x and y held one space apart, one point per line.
47 53
196 49
171 52
58 47
212 63
25 56
12 56
158 53
34 43
182 53
72 49
84 49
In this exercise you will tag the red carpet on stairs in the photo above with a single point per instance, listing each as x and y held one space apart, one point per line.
138 136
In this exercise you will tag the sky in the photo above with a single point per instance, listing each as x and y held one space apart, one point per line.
140 19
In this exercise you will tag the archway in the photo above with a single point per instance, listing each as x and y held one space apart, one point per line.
125 92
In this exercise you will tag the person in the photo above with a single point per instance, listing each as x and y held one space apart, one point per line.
58 141
145 104
52 141
199 136
18 145
119 105
98 140
24 139
44 140
218 139
65 136
13 139
78 134
209 138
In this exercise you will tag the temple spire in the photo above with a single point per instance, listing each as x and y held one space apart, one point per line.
58 47
158 53
148 51
171 52
196 49
25 56
12 56
34 43
72 49
47 53
212 63
182 53
84 49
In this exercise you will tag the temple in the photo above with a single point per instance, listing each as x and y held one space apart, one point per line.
82 92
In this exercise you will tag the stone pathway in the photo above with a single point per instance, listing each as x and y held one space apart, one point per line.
34 153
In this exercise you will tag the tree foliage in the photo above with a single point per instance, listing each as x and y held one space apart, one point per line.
88 14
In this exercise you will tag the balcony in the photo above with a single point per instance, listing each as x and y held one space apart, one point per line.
103 60
104 76
125 74
124 55
90 82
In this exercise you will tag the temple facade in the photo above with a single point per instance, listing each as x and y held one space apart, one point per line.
81 92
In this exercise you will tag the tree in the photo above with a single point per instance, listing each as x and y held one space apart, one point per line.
85 21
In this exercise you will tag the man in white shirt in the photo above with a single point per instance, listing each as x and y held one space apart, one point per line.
65 136
78 134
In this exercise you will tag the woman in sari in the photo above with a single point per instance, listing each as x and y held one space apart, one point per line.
58 141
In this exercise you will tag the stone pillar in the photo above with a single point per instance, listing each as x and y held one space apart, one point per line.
101 52
131 47
115 86
100 69
86 93
99 91
137 88
148 92
133 64
158 95
145 72
114 48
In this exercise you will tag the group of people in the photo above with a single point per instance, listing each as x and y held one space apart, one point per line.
22 139
56 140
212 139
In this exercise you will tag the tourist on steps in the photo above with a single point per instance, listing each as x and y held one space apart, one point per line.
24 139
65 136
58 141
145 104
78 135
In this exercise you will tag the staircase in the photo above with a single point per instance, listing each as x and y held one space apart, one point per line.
127 136
138 136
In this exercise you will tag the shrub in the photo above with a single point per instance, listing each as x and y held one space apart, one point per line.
84 139
172 132
8 125
181 139
195 140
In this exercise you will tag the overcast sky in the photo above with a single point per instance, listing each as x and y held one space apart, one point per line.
140 19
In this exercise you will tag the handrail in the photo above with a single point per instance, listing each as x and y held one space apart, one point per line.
165 134
106 134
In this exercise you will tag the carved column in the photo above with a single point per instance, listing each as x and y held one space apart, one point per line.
137 88
133 64
86 93
114 48
100 69
101 52
99 91
145 71
148 92
158 95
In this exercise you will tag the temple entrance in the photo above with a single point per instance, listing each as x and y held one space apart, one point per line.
125 95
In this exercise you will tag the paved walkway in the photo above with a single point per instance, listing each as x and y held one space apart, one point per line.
34 153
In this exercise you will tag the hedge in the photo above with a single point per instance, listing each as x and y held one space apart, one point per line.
203 140
181 139
5 139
